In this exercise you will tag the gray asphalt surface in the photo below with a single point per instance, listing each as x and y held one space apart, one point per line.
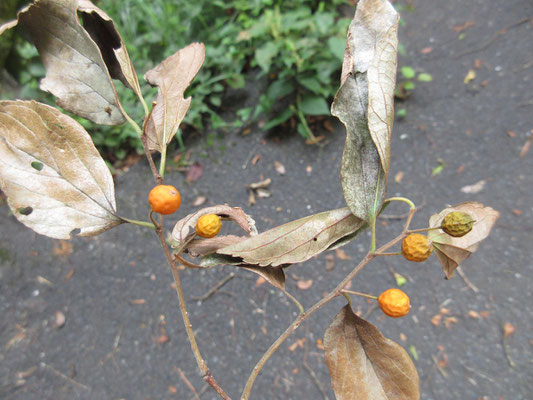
108 347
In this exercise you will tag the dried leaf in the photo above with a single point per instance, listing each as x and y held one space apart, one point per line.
195 172
364 104
341 254
475 188
76 71
200 247
72 190
526 147
304 285
365 365
180 233
103 31
199 201
452 251
279 167
508 329
296 241
60 320
261 184
398 177
172 77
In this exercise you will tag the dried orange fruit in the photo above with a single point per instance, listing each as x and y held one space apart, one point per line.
208 225
416 247
457 223
164 199
394 303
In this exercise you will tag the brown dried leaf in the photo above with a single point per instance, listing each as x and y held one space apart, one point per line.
279 167
330 262
365 365
296 241
200 247
76 71
526 147
105 34
195 172
508 329
452 251
172 77
181 230
54 178
304 285
364 104
341 254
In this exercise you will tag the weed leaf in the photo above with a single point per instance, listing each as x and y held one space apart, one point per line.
172 77
365 365
76 72
452 251
364 104
53 176
296 241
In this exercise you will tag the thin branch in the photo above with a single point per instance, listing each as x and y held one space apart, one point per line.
467 281
330 296
188 384
214 289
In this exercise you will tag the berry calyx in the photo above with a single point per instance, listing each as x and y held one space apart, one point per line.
164 199
457 223
394 303
416 247
208 225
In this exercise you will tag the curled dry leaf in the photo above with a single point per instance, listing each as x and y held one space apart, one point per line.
296 241
78 72
365 365
452 251
54 178
200 247
172 77
364 104
106 36
273 275
182 230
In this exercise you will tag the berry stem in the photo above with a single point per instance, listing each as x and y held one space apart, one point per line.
405 200
330 296
423 230
388 254
140 223
360 294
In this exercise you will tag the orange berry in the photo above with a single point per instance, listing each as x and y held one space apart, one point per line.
394 303
416 247
208 225
164 199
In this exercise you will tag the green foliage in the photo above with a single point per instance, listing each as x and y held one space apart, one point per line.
296 45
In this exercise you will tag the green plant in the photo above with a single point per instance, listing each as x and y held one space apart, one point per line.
57 183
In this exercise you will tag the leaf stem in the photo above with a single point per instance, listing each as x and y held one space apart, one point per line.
405 200
163 162
298 304
424 229
140 223
360 294
373 239
330 296
389 254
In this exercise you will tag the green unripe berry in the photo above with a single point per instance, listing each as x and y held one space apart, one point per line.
457 224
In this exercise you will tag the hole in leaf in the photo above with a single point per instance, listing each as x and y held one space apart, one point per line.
25 210
75 232
37 165
315 239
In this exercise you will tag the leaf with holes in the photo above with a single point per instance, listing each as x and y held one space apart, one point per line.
365 365
452 251
296 241
172 77
53 176
364 104
76 69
